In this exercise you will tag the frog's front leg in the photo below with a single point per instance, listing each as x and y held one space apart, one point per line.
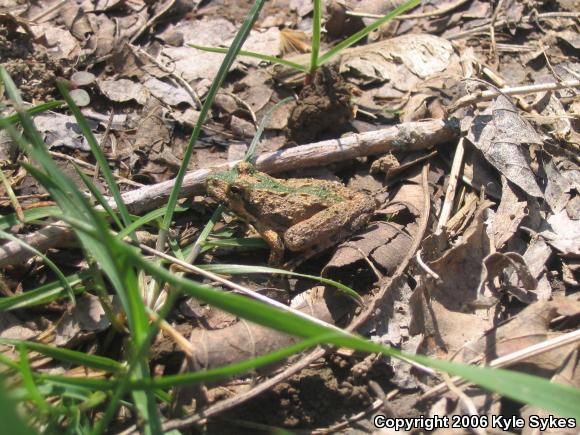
329 226
273 239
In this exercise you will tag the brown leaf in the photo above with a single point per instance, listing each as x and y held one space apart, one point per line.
529 327
501 138
439 306
509 215
75 20
565 234
123 90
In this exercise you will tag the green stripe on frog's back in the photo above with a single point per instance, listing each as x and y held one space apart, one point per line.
227 176
269 183
266 182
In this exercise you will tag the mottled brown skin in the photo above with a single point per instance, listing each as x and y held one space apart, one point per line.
302 215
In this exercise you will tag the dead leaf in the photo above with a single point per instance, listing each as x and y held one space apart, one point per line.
440 307
255 89
188 117
531 326
168 93
153 133
12 327
193 64
509 215
501 137
59 42
62 130
565 234
497 265
536 256
104 41
75 20
568 374
419 55
267 42
553 115
242 128
123 90
563 177
302 7
381 241
87 316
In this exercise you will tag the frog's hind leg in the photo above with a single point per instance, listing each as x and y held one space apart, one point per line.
327 228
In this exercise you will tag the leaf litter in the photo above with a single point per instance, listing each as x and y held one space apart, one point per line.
496 277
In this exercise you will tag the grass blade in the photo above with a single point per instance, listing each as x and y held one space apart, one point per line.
233 51
236 269
28 381
41 295
261 56
316 29
80 358
13 119
29 216
97 152
98 196
11 422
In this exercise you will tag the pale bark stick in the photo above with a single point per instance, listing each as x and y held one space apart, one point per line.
409 136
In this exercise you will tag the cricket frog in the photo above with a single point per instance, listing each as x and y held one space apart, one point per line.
302 214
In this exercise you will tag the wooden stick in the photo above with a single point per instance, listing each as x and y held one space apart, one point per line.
515 90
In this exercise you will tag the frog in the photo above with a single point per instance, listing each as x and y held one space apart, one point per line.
300 215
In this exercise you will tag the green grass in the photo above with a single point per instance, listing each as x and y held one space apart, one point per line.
63 403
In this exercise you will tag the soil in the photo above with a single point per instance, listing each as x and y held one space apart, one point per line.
323 108
33 71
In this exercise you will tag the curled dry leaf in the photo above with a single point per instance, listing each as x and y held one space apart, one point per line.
245 340
509 215
565 234
383 242
86 318
495 266
76 20
501 136
563 178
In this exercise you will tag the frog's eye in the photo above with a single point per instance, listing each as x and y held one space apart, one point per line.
235 189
